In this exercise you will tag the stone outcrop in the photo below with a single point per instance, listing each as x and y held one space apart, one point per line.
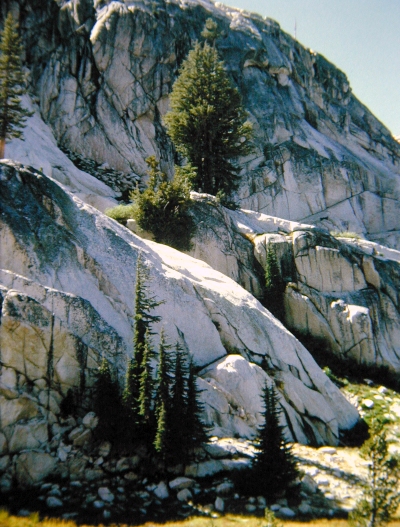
339 289
102 72
67 284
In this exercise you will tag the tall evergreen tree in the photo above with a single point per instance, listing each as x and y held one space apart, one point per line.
144 304
381 496
274 466
207 122
274 284
146 384
107 404
178 452
130 401
195 427
163 404
12 114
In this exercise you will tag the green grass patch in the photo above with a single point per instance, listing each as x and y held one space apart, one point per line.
346 234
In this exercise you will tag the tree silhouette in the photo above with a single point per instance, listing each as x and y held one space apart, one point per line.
207 122
274 467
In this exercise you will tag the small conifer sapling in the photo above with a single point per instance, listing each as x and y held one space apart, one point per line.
275 466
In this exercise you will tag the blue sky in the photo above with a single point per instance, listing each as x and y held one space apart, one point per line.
361 37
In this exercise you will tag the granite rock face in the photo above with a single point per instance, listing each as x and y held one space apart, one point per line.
67 285
103 71
338 289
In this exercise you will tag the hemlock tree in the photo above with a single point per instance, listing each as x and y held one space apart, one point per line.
179 449
107 403
381 496
146 388
275 466
163 408
195 427
207 122
144 304
274 285
12 114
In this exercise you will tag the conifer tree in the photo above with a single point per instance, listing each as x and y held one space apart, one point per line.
163 404
144 304
146 387
274 285
107 404
178 452
130 401
12 114
381 496
275 466
207 122
194 425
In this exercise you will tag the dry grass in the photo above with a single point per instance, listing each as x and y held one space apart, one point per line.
229 520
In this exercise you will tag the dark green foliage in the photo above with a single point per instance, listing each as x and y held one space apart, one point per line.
68 405
12 82
144 304
163 400
146 389
107 404
179 451
381 496
274 285
274 467
195 427
179 426
162 208
207 122
130 401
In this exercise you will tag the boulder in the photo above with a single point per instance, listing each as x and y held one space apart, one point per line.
32 467
161 491
105 494
181 483
12 411
28 436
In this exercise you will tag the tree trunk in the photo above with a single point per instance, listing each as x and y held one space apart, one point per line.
2 147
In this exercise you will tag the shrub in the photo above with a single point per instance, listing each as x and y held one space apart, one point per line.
162 208
121 213
346 234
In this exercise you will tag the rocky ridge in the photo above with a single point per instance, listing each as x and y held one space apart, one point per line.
103 72
341 290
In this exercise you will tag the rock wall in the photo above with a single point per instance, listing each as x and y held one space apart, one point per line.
341 290
104 70
67 284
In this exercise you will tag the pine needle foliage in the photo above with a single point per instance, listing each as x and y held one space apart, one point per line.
381 496
146 387
163 401
162 208
207 122
12 84
274 467
196 430
274 285
107 404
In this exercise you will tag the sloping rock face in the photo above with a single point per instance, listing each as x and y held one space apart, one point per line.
67 286
342 290
103 71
